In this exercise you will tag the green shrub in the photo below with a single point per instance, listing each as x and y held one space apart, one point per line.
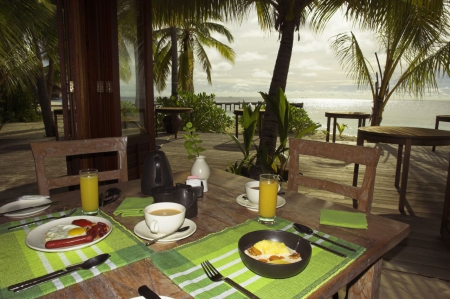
206 116
21 106
127 108
298 120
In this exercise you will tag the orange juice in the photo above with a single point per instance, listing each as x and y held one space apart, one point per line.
89 191
268 193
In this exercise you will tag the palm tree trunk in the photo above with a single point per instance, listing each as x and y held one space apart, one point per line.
50 74
174 49
44 102
268 136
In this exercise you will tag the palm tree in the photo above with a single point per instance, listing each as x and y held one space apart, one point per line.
25 27
193 37
415 56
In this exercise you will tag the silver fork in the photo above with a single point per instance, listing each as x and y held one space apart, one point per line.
214 275
52 218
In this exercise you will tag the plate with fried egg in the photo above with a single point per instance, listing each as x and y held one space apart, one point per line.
63 229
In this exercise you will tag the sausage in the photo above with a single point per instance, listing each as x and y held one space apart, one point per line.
68 242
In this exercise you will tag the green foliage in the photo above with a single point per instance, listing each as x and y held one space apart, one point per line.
192 141
341 128
299 120
249 123
127 108
207 116
19 106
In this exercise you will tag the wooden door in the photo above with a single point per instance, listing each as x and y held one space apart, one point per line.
90 75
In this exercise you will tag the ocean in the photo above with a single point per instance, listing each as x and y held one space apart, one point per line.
409 113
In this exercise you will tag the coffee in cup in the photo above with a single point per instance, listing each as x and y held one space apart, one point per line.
164 217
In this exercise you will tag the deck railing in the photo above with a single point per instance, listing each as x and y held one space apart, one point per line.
231 106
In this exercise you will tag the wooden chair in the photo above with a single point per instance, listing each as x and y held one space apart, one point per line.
48 149
362 196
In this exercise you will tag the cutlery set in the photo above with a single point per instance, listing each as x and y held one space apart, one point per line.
144 291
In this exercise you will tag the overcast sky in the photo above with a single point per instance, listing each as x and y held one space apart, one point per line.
314 70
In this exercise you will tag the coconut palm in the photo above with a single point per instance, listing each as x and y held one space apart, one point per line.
25 27
193 37
415 56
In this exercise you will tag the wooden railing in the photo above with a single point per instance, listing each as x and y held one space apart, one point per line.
231 106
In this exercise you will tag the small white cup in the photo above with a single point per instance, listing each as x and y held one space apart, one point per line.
164 224
253 193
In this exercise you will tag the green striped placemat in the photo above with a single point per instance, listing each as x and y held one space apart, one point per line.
182 265
19 262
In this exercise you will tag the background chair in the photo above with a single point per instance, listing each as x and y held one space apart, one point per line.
362 196
50 149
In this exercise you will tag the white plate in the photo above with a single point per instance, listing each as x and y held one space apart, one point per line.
162 297
35 239
141 229
20 204
251 206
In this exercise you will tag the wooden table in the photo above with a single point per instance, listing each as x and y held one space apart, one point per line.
238 112
403 136
439 118
218 210
360 116
174 111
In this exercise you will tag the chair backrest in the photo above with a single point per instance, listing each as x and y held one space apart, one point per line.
362 196
48 149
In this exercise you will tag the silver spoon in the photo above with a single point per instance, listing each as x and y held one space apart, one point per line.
306 230
184 228
49 218
92 262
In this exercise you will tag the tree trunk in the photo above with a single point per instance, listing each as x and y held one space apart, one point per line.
50 74
44 102
268 136
174 49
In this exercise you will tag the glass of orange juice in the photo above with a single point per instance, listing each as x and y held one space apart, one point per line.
268 193
89 191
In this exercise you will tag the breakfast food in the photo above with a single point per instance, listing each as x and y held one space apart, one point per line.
273 252
78 232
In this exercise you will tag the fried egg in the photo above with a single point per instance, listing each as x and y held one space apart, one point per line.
64 231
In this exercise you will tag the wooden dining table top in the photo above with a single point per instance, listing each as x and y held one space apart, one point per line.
218 210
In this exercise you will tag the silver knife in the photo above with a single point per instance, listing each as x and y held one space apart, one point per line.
29 208
145 292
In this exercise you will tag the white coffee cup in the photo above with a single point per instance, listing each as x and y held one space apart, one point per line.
164 217
252 191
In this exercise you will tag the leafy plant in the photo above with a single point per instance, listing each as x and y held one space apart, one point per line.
192 141
249 123
341 128
206 115
127 108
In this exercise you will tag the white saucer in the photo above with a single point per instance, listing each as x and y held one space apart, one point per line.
162 297
141 229
251 206
20 204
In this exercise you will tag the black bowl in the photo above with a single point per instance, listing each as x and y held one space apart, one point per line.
275 270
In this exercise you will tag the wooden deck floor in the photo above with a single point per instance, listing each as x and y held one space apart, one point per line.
419 267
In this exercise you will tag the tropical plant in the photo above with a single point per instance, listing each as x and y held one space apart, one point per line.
193 36
416 51
192 141
249 122
28 30
206 116
341 128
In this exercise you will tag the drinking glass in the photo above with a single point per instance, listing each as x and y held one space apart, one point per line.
89 191
268 193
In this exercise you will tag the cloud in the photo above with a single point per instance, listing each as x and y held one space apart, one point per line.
250 56
222 66
309 75
257 73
